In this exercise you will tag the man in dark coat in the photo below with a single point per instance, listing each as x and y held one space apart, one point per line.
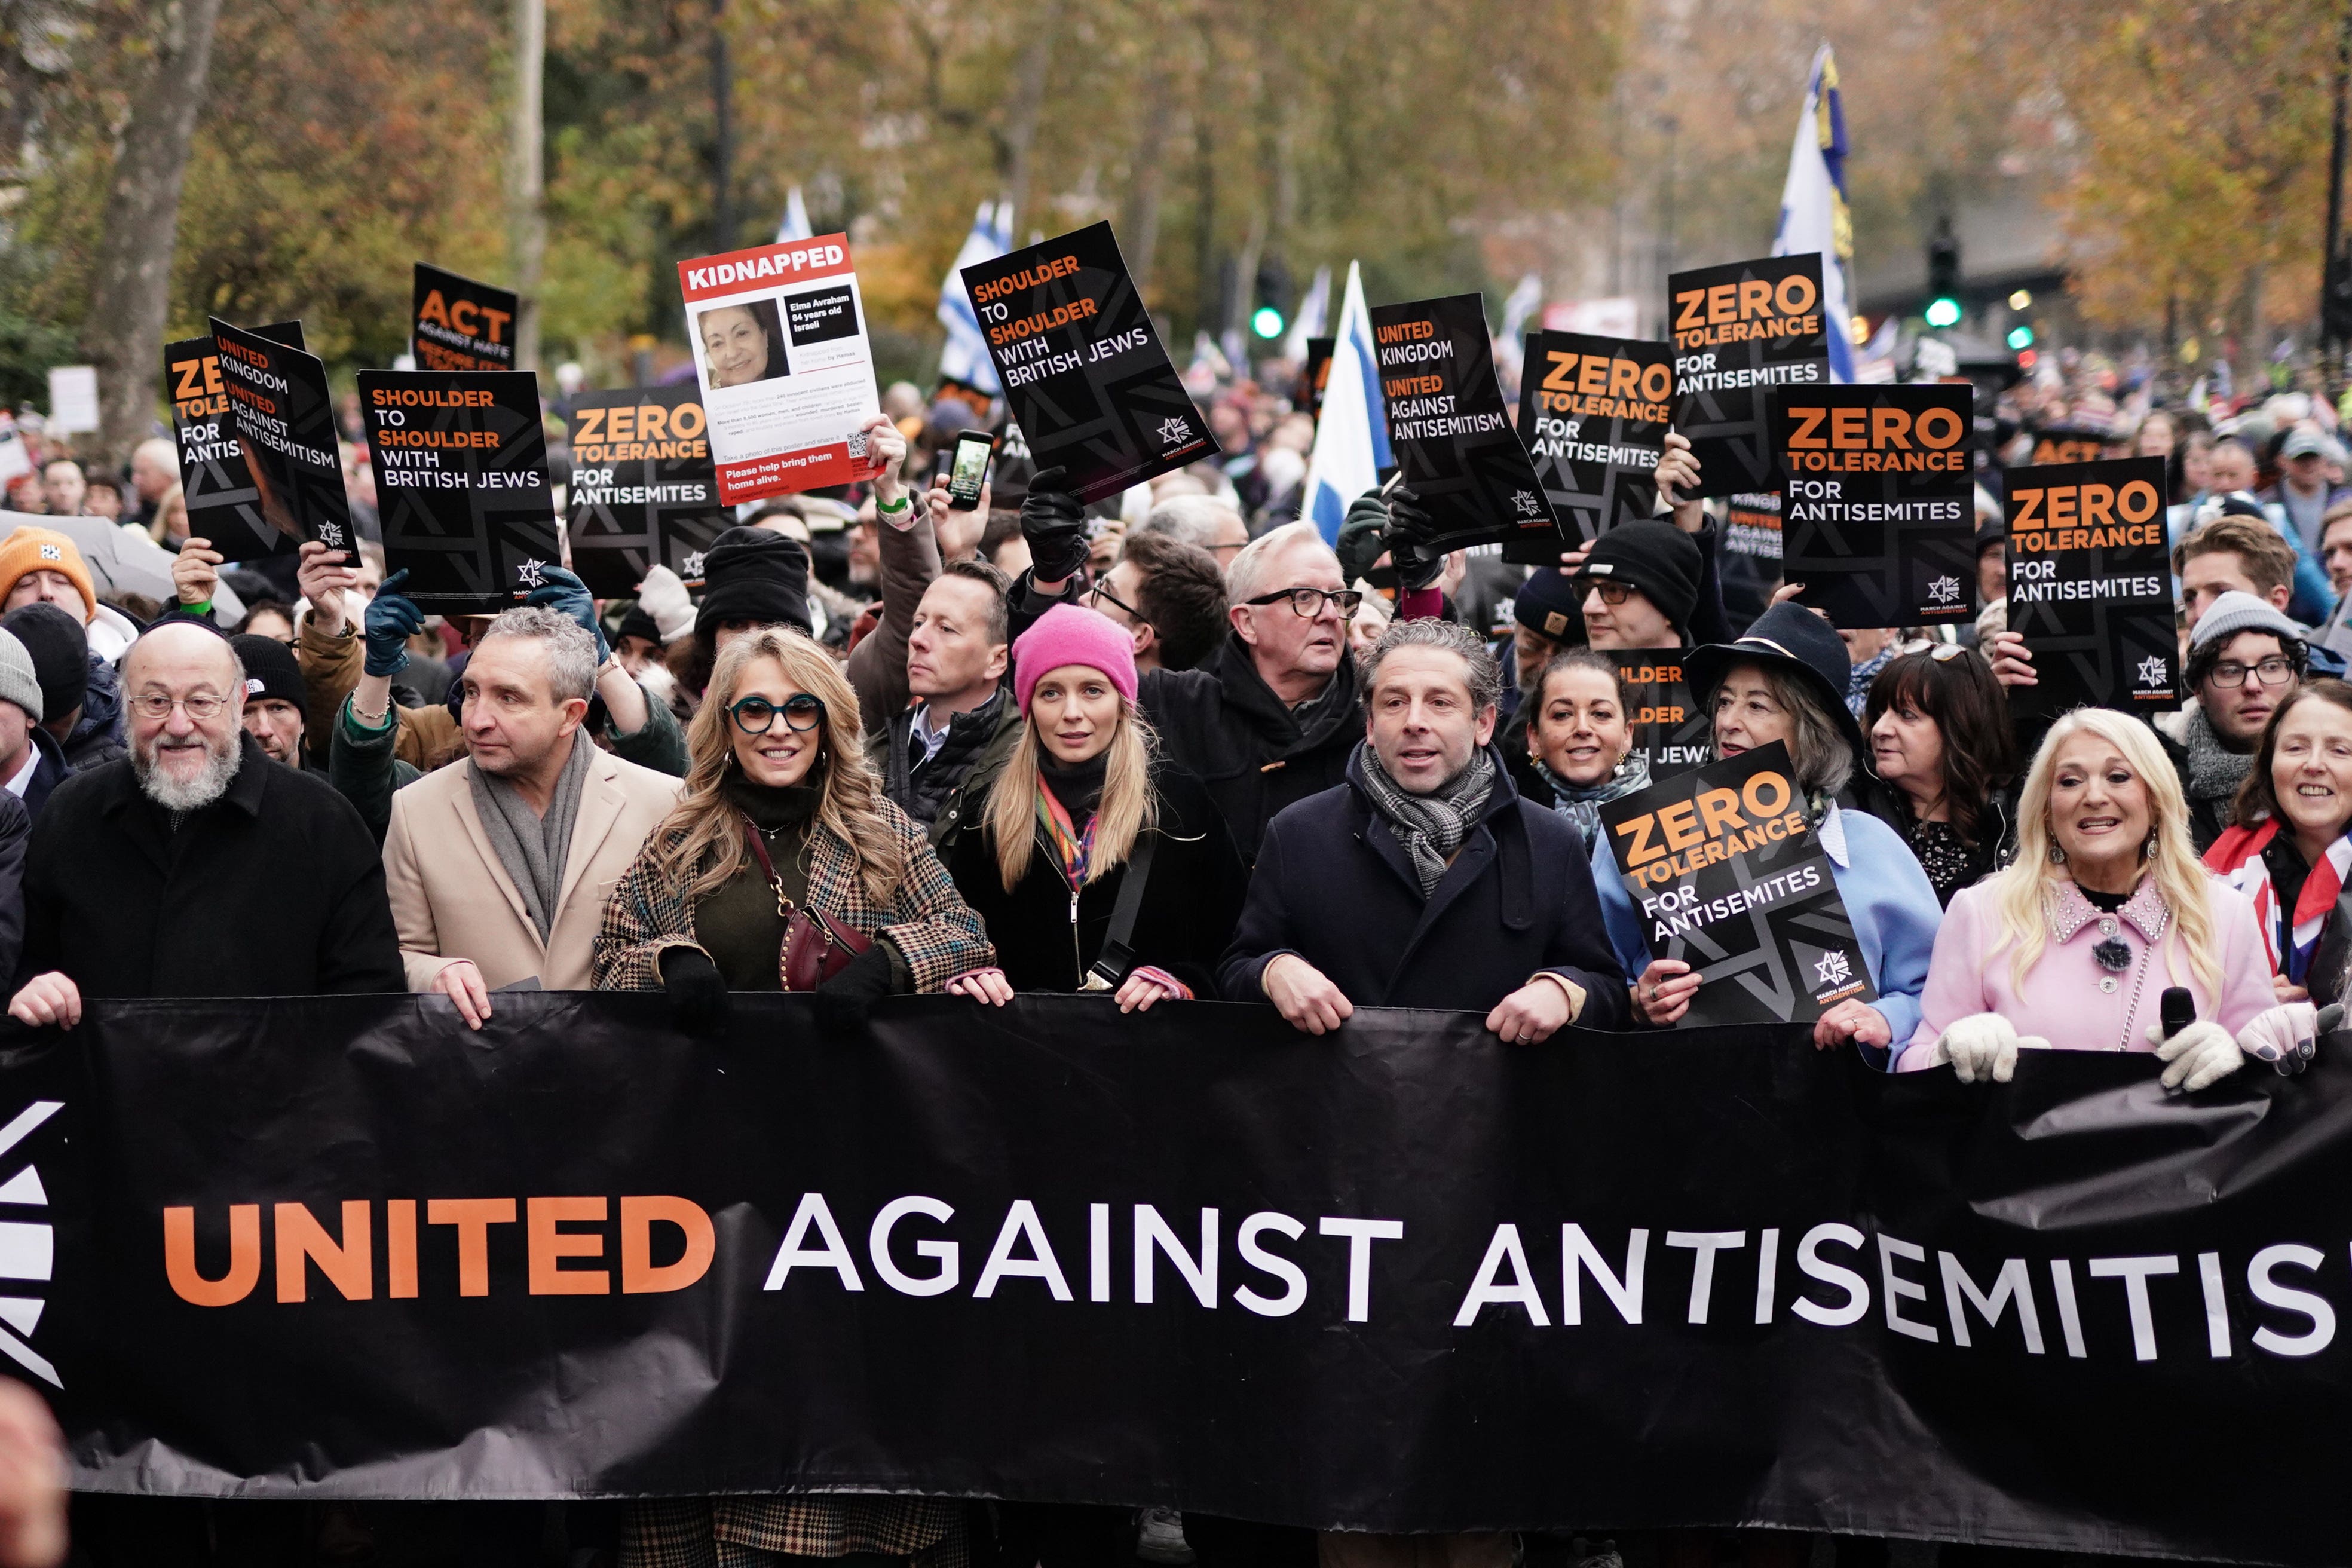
1424 880
194 866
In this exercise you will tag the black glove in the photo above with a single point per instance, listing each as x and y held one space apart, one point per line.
1055 524
697 992
866 981
1410 531
1361 536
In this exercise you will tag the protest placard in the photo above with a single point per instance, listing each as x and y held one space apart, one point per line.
1083 366
457 323
1729 878
1313 376
223 502
461 484
1451 432
642 489
1669 725
1877 514
2090 587
2067 444
1594 413
1751 525
284 420
1740 331
787 375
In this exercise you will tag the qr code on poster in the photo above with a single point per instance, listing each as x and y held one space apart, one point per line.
857 444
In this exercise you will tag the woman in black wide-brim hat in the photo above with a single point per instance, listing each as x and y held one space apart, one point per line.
1785 680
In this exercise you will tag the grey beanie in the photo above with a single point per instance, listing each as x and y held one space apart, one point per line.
17 682
2230 613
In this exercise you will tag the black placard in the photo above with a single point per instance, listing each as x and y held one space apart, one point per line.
1751 525
460 324
1082 365
1314 376
1669 726
2065 444
223 502
643 490
461 481
1594 413
1728 877
1878 519
285 419
2090 586
1450 430
1740 331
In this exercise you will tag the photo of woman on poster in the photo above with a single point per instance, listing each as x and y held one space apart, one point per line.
742 343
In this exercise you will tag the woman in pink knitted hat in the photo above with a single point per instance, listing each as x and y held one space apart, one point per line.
1083 805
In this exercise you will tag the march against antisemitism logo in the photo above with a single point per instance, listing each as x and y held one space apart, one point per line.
1174 432
2155 673
27 1247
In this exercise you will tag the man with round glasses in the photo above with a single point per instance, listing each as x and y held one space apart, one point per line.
196 865
2244 657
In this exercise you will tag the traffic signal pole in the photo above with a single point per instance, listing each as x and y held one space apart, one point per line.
2335 274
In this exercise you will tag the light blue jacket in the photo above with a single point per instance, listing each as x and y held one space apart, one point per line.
1888 897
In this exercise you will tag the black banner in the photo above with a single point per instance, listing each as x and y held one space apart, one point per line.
1878 519
1669 726
285 419
1728 877
1082 364
644 493
2090 586
1740 331
1594 413
461 483
1404 1278
224 501
1451 432
459 324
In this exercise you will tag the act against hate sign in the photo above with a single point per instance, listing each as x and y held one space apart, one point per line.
787 375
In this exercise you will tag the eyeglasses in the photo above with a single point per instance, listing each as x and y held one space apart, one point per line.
757 715
1099 593
1308 602
2271 671
200 709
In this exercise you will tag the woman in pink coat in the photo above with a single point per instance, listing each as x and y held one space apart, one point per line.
2073 945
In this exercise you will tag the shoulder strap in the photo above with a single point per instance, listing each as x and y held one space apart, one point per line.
1111 964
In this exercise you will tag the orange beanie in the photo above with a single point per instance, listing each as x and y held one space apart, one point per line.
31 549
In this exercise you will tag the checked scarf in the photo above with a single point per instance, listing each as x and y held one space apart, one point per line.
2237 855
1431 826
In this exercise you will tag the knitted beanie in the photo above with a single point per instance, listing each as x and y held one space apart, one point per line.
1070 634
1548 604
17 683
754 574
32 549
59 650
1655 557
271 670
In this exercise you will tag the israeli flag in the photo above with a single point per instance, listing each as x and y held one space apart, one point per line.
1814 213
796 223
1510 343
1314 313
1351 437
965 357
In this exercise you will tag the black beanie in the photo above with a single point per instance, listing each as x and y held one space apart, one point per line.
1655 557
636 623
60 651
271 670
1548 605
752 574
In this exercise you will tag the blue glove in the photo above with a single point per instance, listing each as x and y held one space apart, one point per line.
562 590
392 618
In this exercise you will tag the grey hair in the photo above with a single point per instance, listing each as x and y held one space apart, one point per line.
1819 752
1188 520
1486 675
1245 575
570 651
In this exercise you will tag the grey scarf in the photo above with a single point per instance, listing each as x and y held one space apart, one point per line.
2214 770
533 848
1582 804
1431 826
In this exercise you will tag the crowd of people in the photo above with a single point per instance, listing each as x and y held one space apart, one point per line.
1176 747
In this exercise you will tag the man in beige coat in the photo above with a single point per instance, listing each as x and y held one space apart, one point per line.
498 866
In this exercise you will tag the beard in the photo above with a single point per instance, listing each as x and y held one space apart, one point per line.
221 758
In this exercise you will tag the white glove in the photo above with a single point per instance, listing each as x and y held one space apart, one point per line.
2201 1054
1983 1046
663 596
2287 1035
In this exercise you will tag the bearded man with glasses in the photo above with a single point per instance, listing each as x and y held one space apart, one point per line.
196 865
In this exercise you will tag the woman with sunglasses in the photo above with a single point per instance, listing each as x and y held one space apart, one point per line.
1941 763
781 814
1068 823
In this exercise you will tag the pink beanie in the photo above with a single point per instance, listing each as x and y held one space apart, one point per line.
1068 634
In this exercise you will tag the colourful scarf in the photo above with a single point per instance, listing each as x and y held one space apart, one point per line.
2237 857
1072 847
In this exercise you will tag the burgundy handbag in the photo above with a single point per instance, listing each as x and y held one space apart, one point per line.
816 946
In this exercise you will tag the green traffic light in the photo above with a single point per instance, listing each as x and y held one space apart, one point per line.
1266 322
2020 337
1943 312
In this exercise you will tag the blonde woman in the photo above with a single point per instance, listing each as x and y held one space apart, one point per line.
1064 825
780 814
2072 946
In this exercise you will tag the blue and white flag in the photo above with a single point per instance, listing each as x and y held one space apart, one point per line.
1351 435
1814 213
965 357
795 225
1313 318
1510 343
